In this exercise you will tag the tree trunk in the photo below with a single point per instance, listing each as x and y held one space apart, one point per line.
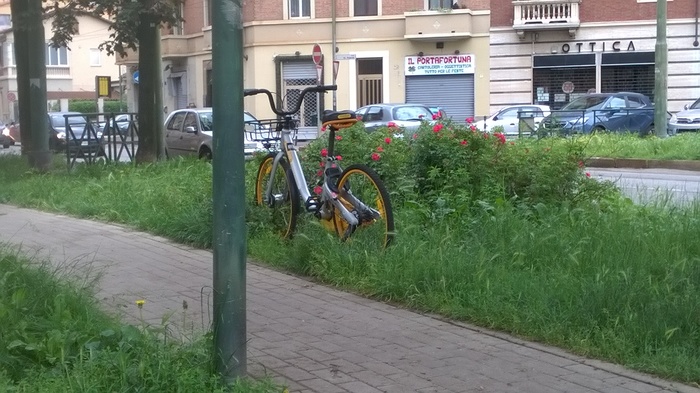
150 106
39 154
19 15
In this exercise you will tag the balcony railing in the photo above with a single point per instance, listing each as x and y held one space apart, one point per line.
546 15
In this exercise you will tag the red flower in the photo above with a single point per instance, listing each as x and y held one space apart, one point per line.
387 140
391 124
323 129
464 142
339 158
318 190
472 127
324 152
588 174
470 120
322 164
320 172
486 135
437 127
500 137
435 117
338 138
380 149
415 136
512 143
376 156
580 164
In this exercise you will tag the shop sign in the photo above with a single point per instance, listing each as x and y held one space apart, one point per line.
439 65
580 47
567 87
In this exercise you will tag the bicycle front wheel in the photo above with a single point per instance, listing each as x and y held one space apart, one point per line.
362 192
283 198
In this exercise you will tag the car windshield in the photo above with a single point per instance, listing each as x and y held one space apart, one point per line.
696 105
580 103
60 121
412 113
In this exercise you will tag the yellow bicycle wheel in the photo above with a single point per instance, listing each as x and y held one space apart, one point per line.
283 199
363 194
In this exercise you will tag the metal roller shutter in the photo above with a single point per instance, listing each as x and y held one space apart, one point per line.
296 76
453 93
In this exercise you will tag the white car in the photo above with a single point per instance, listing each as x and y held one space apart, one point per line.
508 118
686 120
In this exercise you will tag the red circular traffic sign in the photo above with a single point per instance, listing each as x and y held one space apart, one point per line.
11 97
316 54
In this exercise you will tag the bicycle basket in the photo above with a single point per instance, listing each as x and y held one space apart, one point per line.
267 130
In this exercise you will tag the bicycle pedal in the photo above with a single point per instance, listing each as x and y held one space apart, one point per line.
313 204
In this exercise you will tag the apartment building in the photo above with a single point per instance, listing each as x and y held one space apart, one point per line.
70 72
388 51
551 51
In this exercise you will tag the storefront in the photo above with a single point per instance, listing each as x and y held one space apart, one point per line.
443 81
559 79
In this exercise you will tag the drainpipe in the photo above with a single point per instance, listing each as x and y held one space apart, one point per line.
333 44
697 14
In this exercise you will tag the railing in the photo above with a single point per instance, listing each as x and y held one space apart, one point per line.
92 141
545 13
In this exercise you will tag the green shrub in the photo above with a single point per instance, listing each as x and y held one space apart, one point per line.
90 106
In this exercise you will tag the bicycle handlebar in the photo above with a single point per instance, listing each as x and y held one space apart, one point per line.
311 89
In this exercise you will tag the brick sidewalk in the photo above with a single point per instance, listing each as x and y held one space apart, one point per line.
310 337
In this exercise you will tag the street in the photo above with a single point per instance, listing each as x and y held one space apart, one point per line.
649 185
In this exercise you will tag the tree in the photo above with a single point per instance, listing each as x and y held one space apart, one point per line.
133 24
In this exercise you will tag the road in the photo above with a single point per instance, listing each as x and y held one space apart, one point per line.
650 185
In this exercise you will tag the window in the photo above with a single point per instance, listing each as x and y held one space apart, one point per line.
299 8
56 56
207 12
366 7
439 4
95 56
175 123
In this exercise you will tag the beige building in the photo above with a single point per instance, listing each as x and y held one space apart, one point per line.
388 51
70 74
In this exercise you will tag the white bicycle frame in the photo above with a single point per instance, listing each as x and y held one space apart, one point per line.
290 150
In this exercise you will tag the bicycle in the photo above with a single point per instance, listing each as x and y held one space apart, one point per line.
351 201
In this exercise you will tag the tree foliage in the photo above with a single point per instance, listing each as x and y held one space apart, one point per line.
123 17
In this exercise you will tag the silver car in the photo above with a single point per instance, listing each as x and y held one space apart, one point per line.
189 132
406 116
686 120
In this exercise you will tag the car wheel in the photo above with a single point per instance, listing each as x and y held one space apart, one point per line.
597 130
6 146
205 154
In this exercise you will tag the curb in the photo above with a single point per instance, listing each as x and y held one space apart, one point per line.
633 163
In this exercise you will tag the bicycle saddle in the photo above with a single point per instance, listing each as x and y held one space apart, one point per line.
339 119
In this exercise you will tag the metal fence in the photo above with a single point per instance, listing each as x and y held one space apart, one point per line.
98 137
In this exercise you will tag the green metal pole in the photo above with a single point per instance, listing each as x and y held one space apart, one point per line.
39 153
661 71
229 232
333 46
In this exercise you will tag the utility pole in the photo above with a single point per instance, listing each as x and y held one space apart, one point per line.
333 44
661 71
228 181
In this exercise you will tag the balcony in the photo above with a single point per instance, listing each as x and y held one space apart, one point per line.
539 15
445 25
174 46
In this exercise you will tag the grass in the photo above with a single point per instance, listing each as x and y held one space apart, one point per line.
684 146
55 338
613 281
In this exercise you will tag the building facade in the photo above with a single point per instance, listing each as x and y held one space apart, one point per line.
551 51
70 72
422 51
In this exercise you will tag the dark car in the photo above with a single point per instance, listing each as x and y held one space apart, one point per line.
76 132
625 112
406 116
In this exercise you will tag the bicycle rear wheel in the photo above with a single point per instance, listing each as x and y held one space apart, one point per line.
362 192
283 199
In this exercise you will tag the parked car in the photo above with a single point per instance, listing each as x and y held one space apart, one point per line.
189 132
82 136
630 112
122 122
686 120
509 118
406 116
